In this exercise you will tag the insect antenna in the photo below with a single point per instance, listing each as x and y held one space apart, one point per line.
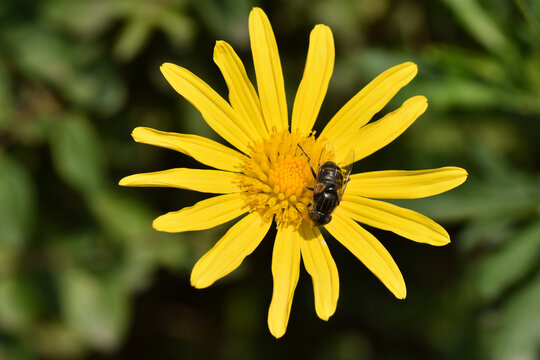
309 163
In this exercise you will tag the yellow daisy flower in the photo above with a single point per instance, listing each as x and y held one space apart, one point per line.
269 178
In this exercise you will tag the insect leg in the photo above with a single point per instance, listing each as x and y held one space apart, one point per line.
309 162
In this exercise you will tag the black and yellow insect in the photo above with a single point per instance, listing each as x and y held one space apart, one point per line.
330 183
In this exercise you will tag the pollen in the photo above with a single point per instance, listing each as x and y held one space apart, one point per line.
275 179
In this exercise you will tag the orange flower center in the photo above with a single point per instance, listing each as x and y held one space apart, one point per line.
289 177
276 175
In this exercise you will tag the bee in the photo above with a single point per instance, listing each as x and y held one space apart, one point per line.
330 183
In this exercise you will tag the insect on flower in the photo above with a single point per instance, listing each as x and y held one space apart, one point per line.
263 178
330 183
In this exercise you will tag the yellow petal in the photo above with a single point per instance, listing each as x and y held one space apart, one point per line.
380 133
268 71
242 94
369 101
203 215
201 149
368 250
285 272
209 181
322 268
317 74
230 250
404 222
401 184
213 108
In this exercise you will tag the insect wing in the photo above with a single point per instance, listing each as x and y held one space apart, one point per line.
346 171
328 153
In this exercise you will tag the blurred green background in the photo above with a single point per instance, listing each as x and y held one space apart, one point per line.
84 276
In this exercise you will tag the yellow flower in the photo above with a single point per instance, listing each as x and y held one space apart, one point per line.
268 176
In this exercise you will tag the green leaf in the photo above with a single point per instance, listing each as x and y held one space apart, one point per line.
518 333
17 203
497 271
20 303
77 153
132 38
481 25
97 87
179 28
130 222
224 18
485 232
532 73
8 261
449 92
98 15
95 308
6 100
122 216
41 53
467 63
78 71
143 257
18 349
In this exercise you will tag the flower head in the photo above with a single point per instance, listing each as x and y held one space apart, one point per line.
269 177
